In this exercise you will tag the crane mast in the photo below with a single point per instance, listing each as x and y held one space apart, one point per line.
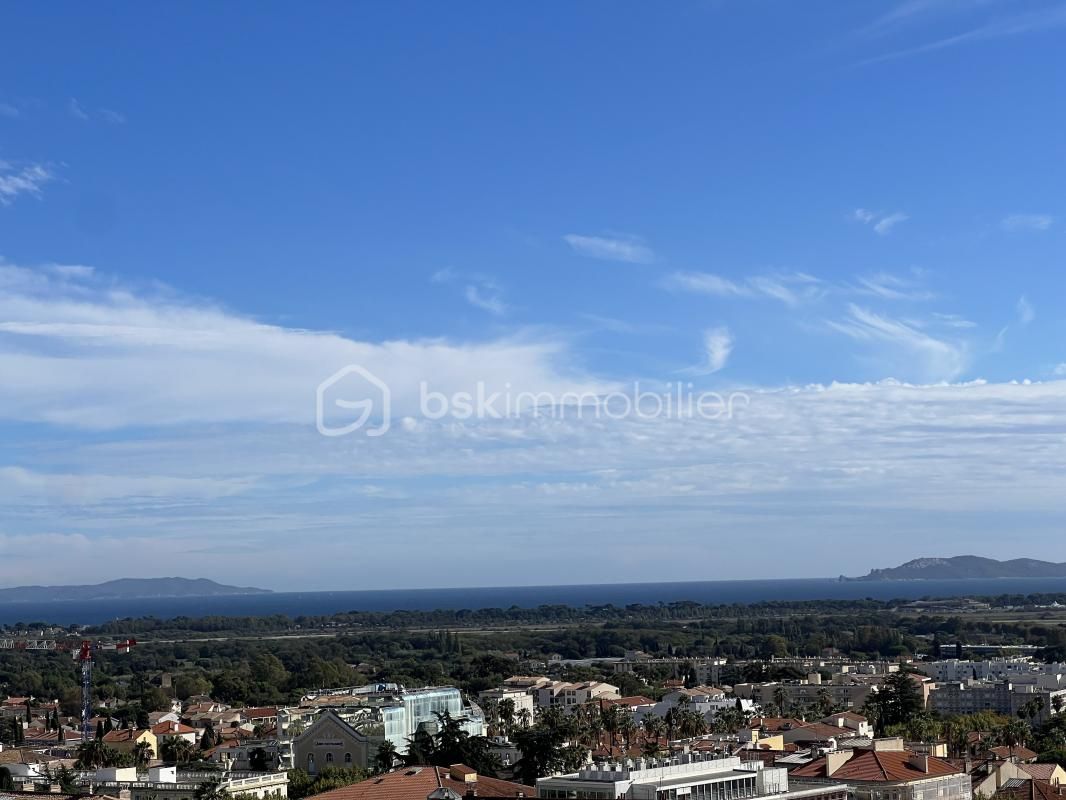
83 654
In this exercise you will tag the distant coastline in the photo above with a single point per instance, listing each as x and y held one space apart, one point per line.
740 592
965 568
126 589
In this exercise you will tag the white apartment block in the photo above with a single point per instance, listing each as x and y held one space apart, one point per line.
690 777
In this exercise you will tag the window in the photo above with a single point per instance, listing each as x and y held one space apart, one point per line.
347 758
329 758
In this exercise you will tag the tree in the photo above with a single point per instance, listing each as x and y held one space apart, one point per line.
386 756
895 702
207 741
259 760
99 729
211 790
177 751
142 753
6 784
93 754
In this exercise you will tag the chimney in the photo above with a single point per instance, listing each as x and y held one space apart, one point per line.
834 761
919 762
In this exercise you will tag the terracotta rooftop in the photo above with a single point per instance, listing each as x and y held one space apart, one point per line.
416 783
1020 752
873 766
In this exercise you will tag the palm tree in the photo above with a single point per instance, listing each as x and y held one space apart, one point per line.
142 753
386 756
211 790
779 698
92 754
180 751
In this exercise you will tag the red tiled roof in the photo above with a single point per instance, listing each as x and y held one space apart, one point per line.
817 731
416 783
172 729
878 766
1020 752
120 735
1042 772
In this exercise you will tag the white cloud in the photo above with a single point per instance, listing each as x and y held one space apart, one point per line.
629 248
485 301
1014 223
882 223
718 344
904 461
892 287
114 117
1036 21
75 109
27 180
83 351
1059 369
1026 312
790 288
903 347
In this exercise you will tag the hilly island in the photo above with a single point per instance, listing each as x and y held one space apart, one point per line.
963 567
126 589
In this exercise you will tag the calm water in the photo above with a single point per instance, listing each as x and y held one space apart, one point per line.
296 603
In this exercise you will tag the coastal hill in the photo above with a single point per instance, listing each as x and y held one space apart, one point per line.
125 589
966 567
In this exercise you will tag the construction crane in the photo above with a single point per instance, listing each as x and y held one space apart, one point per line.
83 653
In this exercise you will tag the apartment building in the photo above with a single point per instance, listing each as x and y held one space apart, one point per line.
1002 697
568 695
173 783
693 776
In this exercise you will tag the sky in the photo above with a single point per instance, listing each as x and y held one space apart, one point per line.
257 262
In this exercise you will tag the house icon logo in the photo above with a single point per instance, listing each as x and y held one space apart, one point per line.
353 393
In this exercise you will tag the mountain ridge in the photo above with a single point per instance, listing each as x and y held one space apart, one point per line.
962 567
126 589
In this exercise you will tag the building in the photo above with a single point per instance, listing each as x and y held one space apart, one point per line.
693 776
520 698
877 774
419 783
125 740
569 695
172 731
1002 697
173 783
332 742
845 690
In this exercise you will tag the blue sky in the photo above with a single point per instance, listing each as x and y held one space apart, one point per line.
851 212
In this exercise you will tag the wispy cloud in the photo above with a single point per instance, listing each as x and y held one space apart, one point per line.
892 287
882 223
27 180
1042 19
78 111
903 345
1026 312
75 109
789 288
114 117
9 111
616 248
1014 223
486 301
718 342
134 348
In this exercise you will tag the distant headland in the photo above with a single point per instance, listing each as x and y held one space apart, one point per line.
963 567
126 589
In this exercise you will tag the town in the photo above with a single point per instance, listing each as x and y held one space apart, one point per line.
955 723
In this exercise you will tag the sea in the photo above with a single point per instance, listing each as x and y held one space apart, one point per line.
295 604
